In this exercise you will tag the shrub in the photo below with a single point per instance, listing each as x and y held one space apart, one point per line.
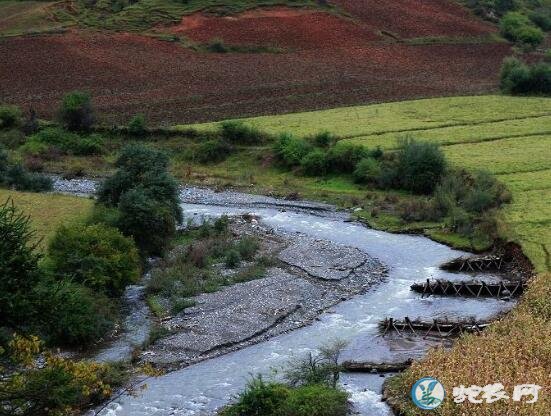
217 46
368 170
420 166
76 112
151 223
291 150
10 116
276 399
137 125
239 133
233 258
247 247
19 178
30 124
541 18
63 141
212 151
324 139
97 256
419 209
314 163
516 27
343 157
44 384
259 398
319 400
519 78
71 314
19 271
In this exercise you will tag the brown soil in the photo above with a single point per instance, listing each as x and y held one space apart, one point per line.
277 27
328 61
128 73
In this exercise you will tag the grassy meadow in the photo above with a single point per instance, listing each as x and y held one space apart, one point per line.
509 136
48 211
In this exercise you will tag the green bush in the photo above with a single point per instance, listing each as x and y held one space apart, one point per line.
150 222
324 139
420 166
259 398
97 256
76 112
63 141
72 314
137 125
318 400
247 247
19 271
541 18
276 399
237 132
10 116
314 163
368 170
291 150
233 258
517 27
212 151
343 157
19 178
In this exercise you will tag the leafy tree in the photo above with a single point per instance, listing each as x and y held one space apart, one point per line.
76 112
420 166
151 223
97 256
19 272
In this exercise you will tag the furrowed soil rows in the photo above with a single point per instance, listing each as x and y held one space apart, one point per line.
129 73
414 18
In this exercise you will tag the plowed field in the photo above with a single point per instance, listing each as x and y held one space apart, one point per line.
327 61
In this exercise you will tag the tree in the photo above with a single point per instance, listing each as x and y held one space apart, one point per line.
420 166
76 112
151 223
19 272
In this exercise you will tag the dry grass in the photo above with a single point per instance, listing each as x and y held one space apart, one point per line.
516 350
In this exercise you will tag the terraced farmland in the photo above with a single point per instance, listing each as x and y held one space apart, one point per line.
509 136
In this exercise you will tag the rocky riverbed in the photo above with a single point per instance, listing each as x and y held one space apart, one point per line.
310 276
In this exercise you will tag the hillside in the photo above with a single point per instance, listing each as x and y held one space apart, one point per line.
196 62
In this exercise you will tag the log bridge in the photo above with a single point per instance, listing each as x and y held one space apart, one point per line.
475 264
436 327
375 368
477 289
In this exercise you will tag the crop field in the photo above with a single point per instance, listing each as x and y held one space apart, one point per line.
153 60
509 136
48 211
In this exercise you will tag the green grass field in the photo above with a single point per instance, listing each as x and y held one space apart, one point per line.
509 136
48 211
23 17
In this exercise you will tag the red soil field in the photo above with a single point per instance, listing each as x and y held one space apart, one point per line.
416 18
277 27
128 74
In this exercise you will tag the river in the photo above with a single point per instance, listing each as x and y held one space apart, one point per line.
202 388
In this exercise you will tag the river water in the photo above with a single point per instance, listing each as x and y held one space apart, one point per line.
202 388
